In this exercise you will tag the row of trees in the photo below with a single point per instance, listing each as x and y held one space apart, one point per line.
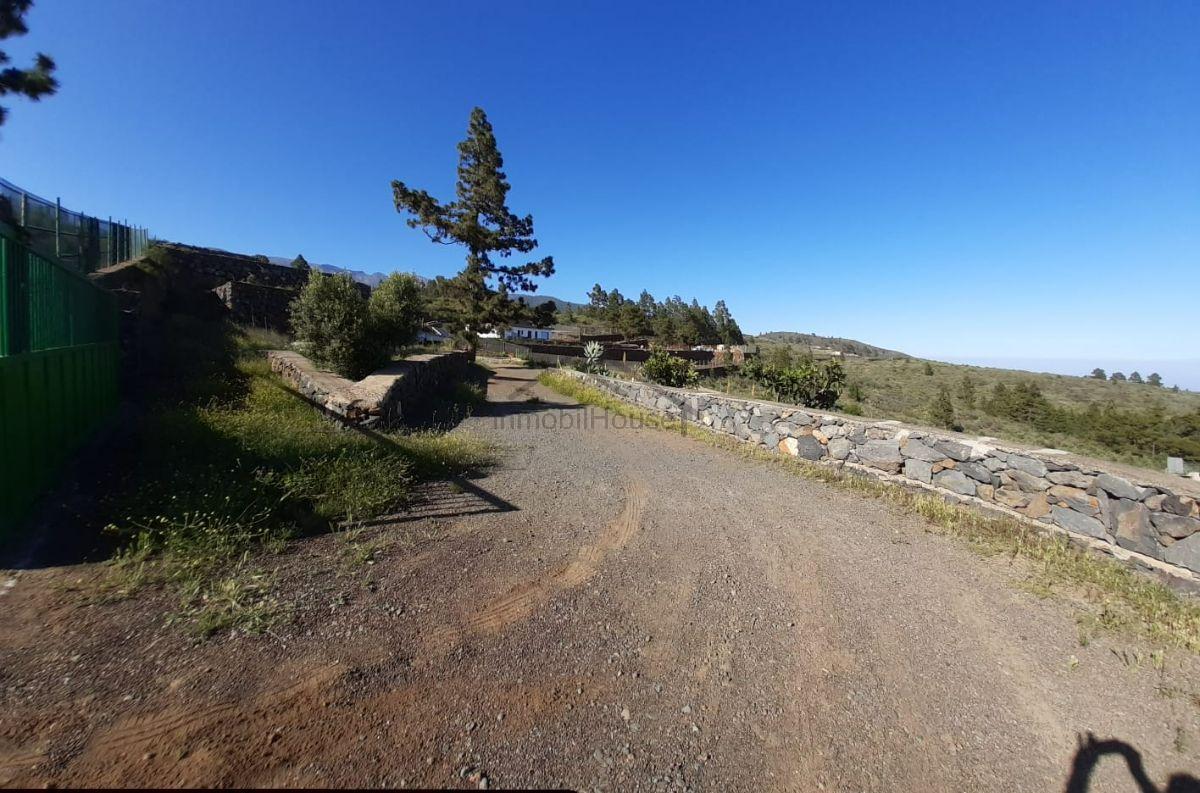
671 321
1143 433
1153 379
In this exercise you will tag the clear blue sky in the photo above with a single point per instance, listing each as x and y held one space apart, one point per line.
947 179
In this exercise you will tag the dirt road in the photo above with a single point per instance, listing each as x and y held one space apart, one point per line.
611 608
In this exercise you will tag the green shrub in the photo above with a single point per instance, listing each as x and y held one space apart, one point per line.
331 314
396 310
350 334
669 370
805 382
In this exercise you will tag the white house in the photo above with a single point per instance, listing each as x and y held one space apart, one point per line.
527 333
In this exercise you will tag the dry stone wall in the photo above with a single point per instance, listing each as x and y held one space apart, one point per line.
402 392
1139 517
258 305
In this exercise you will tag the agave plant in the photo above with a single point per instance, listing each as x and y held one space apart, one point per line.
593 352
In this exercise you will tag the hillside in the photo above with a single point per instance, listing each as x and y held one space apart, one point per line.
806 341
900 389
533 301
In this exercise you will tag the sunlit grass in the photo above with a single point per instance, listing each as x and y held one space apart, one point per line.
223 477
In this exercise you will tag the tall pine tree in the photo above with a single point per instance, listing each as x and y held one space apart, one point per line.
480 220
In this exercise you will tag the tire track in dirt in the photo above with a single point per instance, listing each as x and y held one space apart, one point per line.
146 729
520 601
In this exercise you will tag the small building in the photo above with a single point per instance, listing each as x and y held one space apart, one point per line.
433 334
527 333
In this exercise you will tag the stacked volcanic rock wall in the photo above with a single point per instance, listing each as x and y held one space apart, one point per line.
258 305
1081 499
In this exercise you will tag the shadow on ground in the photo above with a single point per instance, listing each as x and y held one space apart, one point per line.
1091 751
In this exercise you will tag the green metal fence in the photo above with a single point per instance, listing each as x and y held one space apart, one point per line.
58 371
79 241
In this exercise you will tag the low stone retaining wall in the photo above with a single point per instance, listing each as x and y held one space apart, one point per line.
1112 507
396 394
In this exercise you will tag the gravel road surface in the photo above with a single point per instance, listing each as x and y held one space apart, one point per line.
610 608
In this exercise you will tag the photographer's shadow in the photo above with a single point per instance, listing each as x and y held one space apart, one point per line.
1091 750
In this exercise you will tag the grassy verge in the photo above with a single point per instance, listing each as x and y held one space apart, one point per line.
1118 599
236 464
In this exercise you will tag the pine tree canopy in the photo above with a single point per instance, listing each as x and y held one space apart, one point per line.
479 217
34 82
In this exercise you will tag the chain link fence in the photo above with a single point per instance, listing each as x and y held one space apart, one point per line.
79 241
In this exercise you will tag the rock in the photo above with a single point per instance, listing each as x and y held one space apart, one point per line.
808 447
1079 523
1177 526
1075 499
1185 553
1130 523
881 454
1011 497
955 481
1029 465
770 440
1037 507
1025 481
977 472
1070 478
832 430
821 437
785 428
919 470
1154 503
953 449
800 418
1116 486
789 446
919 451
1177 505
839 448
986 492
994 464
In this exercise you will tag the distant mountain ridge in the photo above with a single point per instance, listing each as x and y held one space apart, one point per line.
370 279
849 346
